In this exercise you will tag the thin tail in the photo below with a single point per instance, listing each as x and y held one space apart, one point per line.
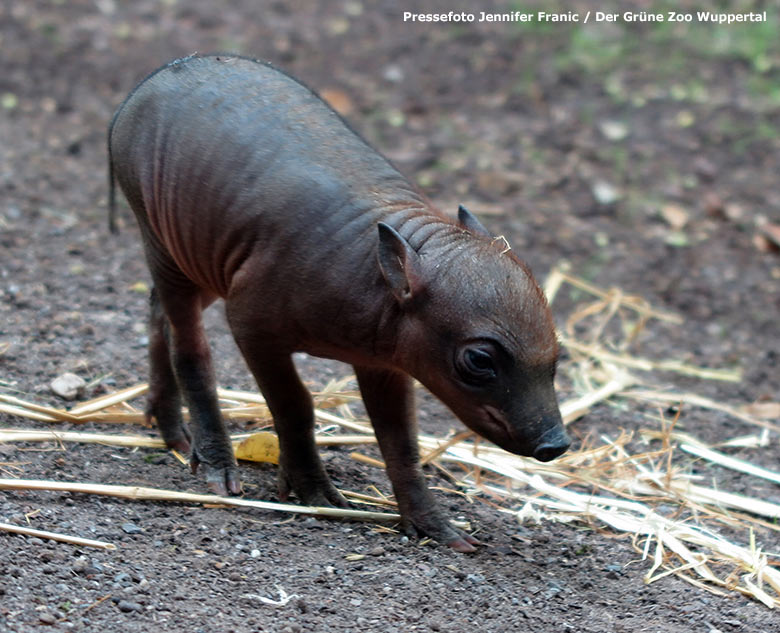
112 225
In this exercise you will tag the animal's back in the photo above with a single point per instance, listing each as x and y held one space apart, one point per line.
222 153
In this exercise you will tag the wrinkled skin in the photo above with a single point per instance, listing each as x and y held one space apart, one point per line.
248 188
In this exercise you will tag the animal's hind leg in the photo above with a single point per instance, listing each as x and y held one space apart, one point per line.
164 399
190 359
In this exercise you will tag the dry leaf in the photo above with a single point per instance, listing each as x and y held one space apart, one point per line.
259 447
338 100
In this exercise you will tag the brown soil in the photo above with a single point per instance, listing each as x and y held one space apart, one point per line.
519 122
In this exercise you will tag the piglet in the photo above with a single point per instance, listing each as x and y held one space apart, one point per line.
247 187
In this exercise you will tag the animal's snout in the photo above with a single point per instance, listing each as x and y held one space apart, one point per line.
552 444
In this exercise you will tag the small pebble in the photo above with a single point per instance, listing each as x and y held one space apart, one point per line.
393 73
127 606
67 386
131 528
604 192
47 618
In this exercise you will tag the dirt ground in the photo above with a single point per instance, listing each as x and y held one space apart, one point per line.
646 155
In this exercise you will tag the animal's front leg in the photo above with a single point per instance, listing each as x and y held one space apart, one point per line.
389 400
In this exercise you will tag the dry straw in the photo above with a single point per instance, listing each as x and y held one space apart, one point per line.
677 523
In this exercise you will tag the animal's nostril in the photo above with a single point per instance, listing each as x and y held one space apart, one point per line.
549 451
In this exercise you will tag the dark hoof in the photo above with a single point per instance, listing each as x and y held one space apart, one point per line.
311 491
224 482
221 480
439 528
464 544
174 434
181 445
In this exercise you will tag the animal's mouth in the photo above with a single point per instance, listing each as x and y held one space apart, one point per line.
497 429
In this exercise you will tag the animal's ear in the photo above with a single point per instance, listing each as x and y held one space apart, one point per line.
399 263
470 223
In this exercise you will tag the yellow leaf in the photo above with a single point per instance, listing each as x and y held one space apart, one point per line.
259 447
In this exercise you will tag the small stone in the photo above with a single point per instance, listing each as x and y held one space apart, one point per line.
614 130
128 607
122 577
733 212
131 528
338 26
393 73
96 566
47 618
396 118
604 192
705 168
685 118
674 215
377 551
353 8
67 386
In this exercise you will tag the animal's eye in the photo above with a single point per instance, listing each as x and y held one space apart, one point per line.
475 365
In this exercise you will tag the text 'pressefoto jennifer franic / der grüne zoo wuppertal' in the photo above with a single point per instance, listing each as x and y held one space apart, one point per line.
584 17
